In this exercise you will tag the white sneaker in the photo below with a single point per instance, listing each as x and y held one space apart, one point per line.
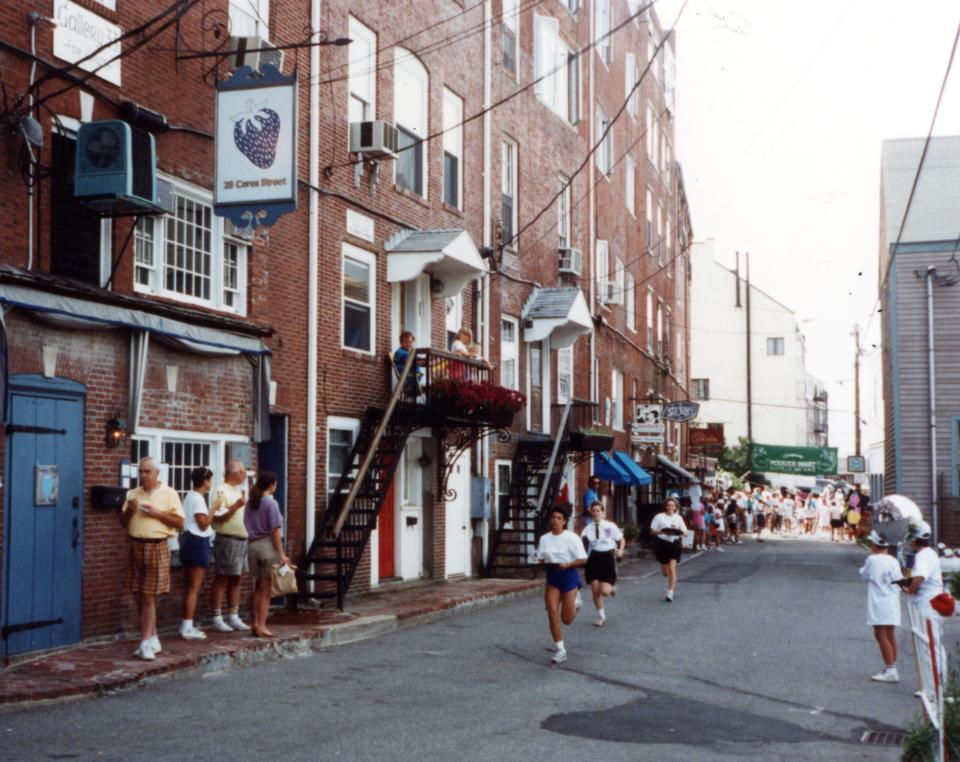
154 643
599 621
579 603
669 596
144 652
886 676
220 626
192 633
559 656
236 623
720 549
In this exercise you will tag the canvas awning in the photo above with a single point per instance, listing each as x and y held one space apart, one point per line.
679 475
609 469
448 256
639 476
558 314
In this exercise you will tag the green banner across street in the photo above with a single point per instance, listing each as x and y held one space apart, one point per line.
807 461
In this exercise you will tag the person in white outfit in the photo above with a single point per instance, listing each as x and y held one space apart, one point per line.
605 544
881 572
669 530
926 579
563 553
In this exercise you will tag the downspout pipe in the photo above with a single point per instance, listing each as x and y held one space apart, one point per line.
932 400
312 285
487 235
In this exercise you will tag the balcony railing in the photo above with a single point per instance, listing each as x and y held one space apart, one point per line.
584 430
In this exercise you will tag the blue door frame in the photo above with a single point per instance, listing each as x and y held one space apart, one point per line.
43 515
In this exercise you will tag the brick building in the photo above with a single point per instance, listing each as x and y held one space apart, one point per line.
173 334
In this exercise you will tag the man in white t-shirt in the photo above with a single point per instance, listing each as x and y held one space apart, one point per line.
927 579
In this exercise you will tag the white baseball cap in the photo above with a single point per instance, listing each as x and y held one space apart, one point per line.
922 531
878 539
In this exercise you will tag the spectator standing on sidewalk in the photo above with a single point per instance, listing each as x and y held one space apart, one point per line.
605 544
591 495
881 571
836 520
669 530
563 553
926 580
151 514
229 547
698 520
195 548
264 525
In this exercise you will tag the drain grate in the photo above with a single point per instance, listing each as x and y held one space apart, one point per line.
882 738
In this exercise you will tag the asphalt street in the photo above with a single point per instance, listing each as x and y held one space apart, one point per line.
765 654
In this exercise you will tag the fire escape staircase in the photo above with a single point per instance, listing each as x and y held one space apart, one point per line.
344 530
536 476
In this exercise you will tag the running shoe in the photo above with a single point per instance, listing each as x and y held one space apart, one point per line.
599 621
559 656
579 603
669 596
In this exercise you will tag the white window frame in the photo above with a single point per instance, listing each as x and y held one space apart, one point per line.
604 152
218 441
630 303
453 141
510 351
668 249
651 127
564 214
659 329
552 69
651 243
255 12
700 389
602 269
649 320
772 342
348 250
604 38
652 43
629 80
218 241
508 182
630 178
407 65
659 241
339 423
619 278
616 399
497 485
564 374
510 18
362 71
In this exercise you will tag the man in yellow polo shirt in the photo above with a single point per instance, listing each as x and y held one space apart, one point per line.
151 514
229 547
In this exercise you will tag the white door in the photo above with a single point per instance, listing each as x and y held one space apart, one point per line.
409 526
457 516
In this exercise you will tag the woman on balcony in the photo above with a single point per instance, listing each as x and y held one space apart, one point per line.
464 346
563 553
606 544
669 530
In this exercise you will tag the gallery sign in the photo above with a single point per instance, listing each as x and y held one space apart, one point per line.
681 411
79 32
709 436
647 427
805 461
256 147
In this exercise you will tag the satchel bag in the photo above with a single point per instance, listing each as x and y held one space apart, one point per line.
283 584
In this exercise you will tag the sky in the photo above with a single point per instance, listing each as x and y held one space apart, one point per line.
782 108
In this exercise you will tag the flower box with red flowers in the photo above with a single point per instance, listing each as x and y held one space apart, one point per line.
482 401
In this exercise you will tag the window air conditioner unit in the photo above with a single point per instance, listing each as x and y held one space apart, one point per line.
570 261
116 169
253 52
375 140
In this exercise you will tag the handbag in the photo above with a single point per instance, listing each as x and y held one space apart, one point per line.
283 584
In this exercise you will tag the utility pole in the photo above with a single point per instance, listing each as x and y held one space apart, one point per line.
856 391
749 374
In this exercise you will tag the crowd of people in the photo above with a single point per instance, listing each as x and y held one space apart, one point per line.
246 532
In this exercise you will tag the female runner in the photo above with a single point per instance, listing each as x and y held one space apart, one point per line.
669 530
563 553
606 544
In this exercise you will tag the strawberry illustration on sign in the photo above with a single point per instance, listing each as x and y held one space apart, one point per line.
255 133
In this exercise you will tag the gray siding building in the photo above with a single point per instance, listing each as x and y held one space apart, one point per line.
930 238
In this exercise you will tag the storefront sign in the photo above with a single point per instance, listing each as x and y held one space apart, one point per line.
681 411
710 436
79 32
856 464
256 147
806 461
648 415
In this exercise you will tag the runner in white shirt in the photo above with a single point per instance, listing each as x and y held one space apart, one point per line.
881 572
563 553
606 544
669 530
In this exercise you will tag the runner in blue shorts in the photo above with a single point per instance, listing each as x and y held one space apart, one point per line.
563 553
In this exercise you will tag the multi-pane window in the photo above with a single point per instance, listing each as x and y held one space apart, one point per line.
619 281
509 353
700 389
564 374
668 234
510 33
775 346
452 148
362 72
563 213
649 313
410 88
503 489
651 128
659 216
616 399
191 255
660 329
181 458
630 176
602 269
650 222
359 284
631 303
604 154
652 43
604 48
629 80
341 433
249 18
508 191
555 69
139 448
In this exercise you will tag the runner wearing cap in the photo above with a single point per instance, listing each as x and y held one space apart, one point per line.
881 572
927 578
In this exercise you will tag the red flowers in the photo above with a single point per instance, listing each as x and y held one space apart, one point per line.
484 401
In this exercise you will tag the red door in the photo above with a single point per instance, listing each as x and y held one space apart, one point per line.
386 531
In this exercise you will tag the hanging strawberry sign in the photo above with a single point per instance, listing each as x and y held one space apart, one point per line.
256 147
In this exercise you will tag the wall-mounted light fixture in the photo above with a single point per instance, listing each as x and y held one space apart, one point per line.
116 432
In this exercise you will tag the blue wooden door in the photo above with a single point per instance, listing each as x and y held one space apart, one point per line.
43 530
272 456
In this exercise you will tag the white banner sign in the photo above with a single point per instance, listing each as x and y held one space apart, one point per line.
648 415
79 32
